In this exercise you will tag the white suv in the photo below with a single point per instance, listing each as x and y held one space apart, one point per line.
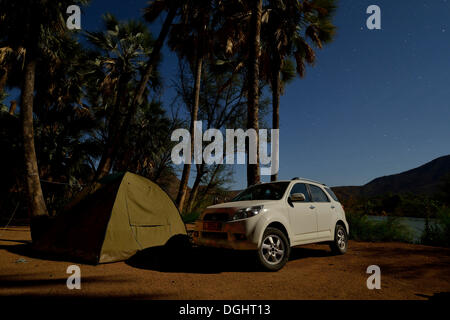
272 218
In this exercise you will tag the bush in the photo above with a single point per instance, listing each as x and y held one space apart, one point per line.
438 234
362 229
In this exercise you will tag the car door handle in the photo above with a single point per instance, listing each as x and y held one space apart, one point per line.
311 207
332 207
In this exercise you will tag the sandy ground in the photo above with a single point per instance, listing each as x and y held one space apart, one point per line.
407 272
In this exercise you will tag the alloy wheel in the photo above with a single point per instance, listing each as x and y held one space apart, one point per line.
272 249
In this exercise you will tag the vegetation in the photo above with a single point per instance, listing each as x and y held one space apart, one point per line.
194 28
438 234
435 233
191 217
433 208
363 229
90 101
402 204
397 205
90 104
291 31
80 103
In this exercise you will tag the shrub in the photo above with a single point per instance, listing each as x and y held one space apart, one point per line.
362 229
438 234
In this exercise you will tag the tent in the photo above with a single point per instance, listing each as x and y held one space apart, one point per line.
114 219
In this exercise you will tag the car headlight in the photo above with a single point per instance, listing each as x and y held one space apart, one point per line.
247 212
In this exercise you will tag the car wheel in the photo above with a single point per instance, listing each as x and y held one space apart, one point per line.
340 243
274 250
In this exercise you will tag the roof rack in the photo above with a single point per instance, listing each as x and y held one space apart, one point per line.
309 180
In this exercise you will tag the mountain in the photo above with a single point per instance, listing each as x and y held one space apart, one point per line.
421 180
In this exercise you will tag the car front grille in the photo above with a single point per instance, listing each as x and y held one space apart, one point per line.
215 235
216 217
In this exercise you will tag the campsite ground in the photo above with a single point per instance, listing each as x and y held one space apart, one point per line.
407 272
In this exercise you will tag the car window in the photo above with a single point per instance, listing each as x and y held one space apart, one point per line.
301 188
317 194
331 193
265 191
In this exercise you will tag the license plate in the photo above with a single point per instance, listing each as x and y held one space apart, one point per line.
212 226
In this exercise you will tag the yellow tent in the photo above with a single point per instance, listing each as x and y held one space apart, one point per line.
117 218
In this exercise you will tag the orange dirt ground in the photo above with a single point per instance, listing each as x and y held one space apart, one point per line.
407 272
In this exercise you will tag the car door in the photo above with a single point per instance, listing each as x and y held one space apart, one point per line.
324 210
302 215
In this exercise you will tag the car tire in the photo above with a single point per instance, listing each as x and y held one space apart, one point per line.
340 243
274 250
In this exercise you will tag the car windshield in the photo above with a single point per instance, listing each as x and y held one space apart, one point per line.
266 191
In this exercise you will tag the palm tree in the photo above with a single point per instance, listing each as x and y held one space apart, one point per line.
8 56
254 52
155 9
63 121
32 26
148 148
290 25
221 105
122 48
192 38
239 35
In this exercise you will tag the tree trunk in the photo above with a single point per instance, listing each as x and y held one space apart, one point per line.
187 167
112 140
211 179
275 102
195 187
253 87
108 158
36 203
12 107
153 59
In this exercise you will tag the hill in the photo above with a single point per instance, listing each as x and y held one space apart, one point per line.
421 180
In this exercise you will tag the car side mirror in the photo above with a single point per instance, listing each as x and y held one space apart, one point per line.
297 197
